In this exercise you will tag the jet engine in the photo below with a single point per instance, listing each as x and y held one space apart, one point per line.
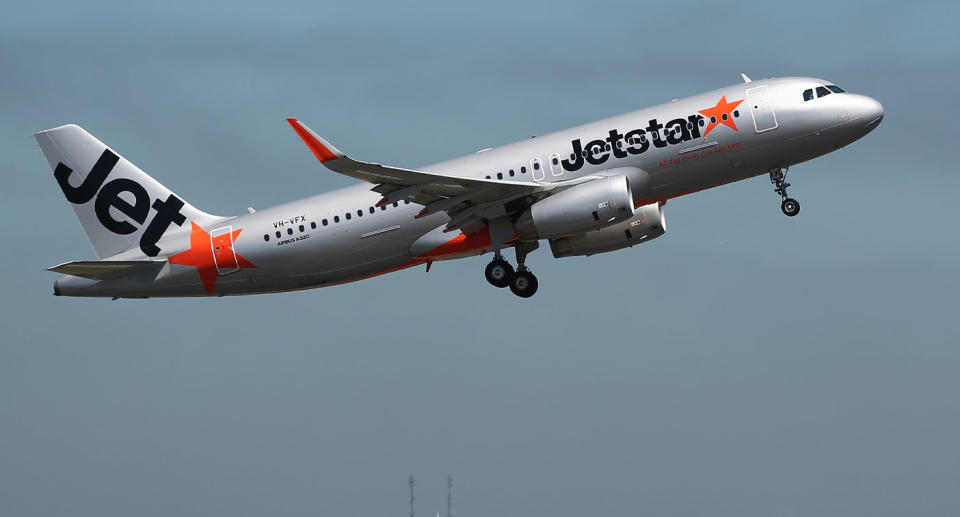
588 206
648 223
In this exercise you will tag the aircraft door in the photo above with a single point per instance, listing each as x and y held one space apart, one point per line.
537 169
221 243
764 118
555 167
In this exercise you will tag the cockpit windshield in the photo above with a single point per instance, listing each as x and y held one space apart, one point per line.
822 91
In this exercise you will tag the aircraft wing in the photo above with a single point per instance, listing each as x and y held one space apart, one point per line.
437 192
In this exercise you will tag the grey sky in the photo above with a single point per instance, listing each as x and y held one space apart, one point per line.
743 364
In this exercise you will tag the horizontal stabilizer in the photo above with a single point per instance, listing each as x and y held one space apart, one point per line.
104 269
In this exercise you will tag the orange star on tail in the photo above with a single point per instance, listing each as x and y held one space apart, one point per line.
722 113
206 252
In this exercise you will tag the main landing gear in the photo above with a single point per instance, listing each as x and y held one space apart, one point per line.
788 205
521 281
499 272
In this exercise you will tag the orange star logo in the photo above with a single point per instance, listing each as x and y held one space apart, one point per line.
722 113
210 255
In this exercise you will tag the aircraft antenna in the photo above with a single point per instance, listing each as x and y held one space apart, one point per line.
449 496
413 481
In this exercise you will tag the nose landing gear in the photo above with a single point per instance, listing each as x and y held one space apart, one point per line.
789 206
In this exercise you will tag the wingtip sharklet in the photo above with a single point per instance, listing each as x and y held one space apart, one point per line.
323 150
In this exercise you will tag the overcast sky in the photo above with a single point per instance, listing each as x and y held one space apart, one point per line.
744 364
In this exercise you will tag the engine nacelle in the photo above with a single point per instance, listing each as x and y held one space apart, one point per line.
648 223
588 206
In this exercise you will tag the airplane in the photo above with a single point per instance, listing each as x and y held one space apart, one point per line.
590 189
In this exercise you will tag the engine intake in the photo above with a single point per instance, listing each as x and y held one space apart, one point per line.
648 223
589 206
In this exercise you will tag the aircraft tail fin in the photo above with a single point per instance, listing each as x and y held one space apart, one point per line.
119 206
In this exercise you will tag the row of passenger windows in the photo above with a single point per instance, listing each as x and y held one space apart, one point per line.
512 172
336 219
822 91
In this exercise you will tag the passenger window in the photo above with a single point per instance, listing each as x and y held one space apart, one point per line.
555 161
278 235
406 201
371 210
736 113
313 225
499 175
266 237
347 215
536 166
835 89
807 95
396 205
383 208
359 213
822 92
289 231
512 173
336 218
324 222
301 228
701 122
523 170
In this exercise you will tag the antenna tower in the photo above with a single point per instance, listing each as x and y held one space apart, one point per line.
449 496
413 481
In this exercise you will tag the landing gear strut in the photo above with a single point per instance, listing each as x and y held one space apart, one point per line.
521 281
524 282
788 205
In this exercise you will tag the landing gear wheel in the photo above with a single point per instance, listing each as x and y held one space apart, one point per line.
790 207
524 284
499 273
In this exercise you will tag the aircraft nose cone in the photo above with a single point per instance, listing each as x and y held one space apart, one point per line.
871 111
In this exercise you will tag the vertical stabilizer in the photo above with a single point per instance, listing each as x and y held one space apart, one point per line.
120 207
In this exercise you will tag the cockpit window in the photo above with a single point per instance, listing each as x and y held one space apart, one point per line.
835 89
808 95
822 92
